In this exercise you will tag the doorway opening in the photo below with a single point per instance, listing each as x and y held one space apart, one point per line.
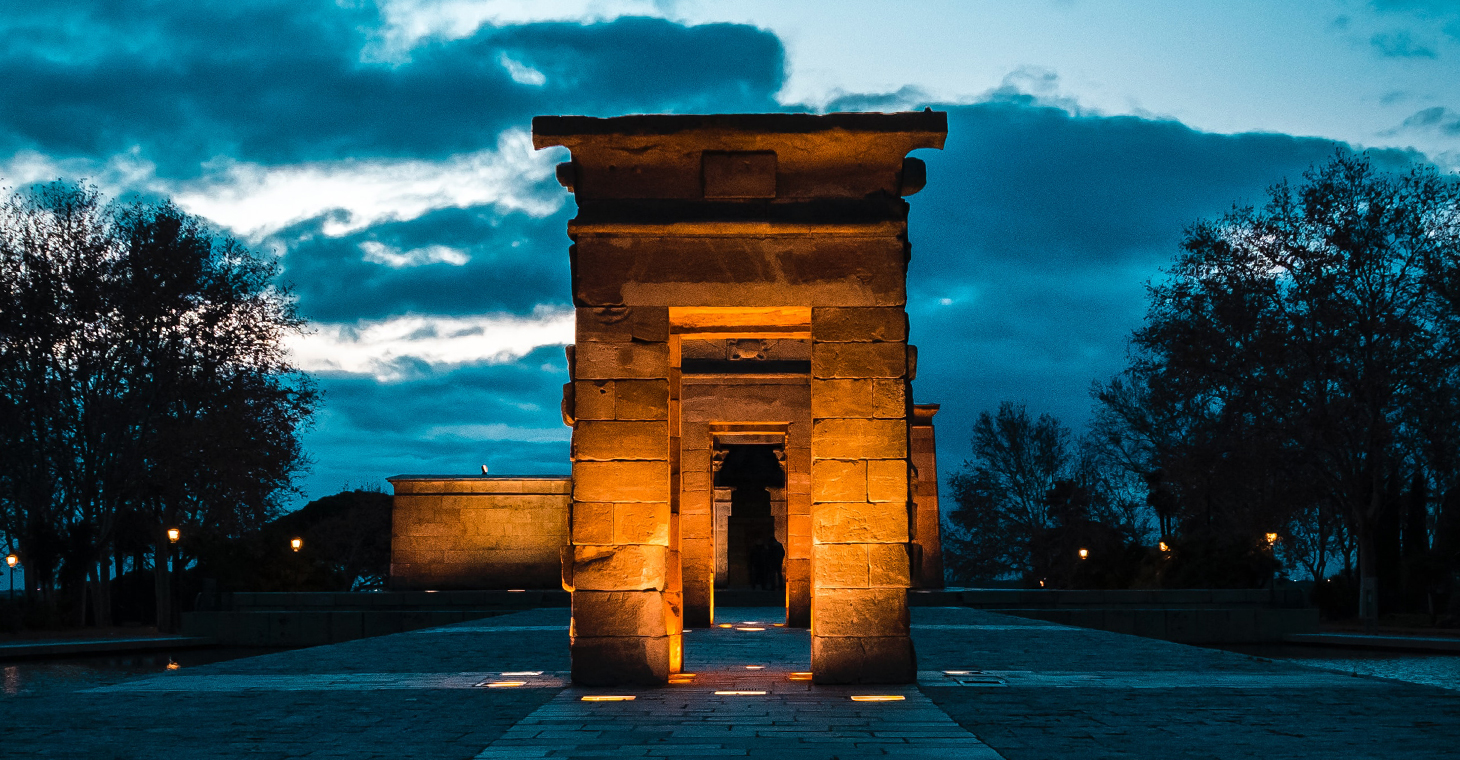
750 520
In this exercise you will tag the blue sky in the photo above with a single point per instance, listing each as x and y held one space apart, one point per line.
381 150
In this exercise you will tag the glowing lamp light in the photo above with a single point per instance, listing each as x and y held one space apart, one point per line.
1084 554
681 677
1272 538
505 684
609 698
173 535
800 676
173 666
739 693
523 673
877 697
755 667
515 590
750 628
1164 547
958 672
779 625
296 544
726 625
12 560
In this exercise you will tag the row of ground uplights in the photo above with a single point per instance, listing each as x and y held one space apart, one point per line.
749 625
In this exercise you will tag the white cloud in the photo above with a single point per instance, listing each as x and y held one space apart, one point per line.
380 253
497 431
521 73
256 201
408 22
393 348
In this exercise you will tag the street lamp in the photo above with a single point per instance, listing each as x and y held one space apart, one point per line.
12 561
173 534
296 544
1084 554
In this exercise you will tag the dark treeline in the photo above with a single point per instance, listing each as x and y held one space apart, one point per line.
1291 404
144 386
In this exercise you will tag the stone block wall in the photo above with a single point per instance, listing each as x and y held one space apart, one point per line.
626 611
477 532
860 496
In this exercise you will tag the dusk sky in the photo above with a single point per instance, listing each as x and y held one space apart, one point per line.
382 151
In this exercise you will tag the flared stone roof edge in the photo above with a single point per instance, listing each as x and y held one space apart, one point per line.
548 131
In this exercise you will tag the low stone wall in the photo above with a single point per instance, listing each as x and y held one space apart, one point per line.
1187 616
478 532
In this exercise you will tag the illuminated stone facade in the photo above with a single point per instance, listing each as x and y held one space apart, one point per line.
740 292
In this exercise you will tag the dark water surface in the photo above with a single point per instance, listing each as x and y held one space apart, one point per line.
28 677
1430 669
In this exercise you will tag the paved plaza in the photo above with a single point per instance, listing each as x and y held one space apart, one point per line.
989 686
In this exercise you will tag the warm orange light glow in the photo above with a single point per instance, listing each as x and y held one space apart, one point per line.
779 625
1084 554
739 693
505 684
1041 584
755 667
726 625
609 698
173 666
515 590
750 628
1164 547
296 544
877 697
800 676
1272 538
12 560
173 534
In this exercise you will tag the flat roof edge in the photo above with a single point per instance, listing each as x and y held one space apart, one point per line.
394 478
932 122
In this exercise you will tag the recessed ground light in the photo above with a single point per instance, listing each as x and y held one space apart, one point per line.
726 625
515 590
779 625
522 673
749 628
739 693
958 672
609 698
505 684
800 676
750 622
755 667
877 697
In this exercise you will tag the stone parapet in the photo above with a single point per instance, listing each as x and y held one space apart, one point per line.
477 532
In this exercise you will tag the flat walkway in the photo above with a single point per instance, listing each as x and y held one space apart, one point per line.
990 686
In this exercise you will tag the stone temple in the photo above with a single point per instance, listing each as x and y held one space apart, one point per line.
740 378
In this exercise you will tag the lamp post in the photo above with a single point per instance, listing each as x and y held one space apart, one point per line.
12 560
296 544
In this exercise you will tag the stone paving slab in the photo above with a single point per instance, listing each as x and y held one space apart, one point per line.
990 686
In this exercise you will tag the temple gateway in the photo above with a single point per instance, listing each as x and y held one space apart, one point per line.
740 393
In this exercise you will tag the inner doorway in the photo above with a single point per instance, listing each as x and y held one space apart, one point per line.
750 523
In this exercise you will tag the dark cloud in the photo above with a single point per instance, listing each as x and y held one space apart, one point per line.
1400 45
504 415
1041 229
277 82
516 262
1437 118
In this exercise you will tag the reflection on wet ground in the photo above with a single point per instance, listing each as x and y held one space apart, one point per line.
1442 670
31 677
